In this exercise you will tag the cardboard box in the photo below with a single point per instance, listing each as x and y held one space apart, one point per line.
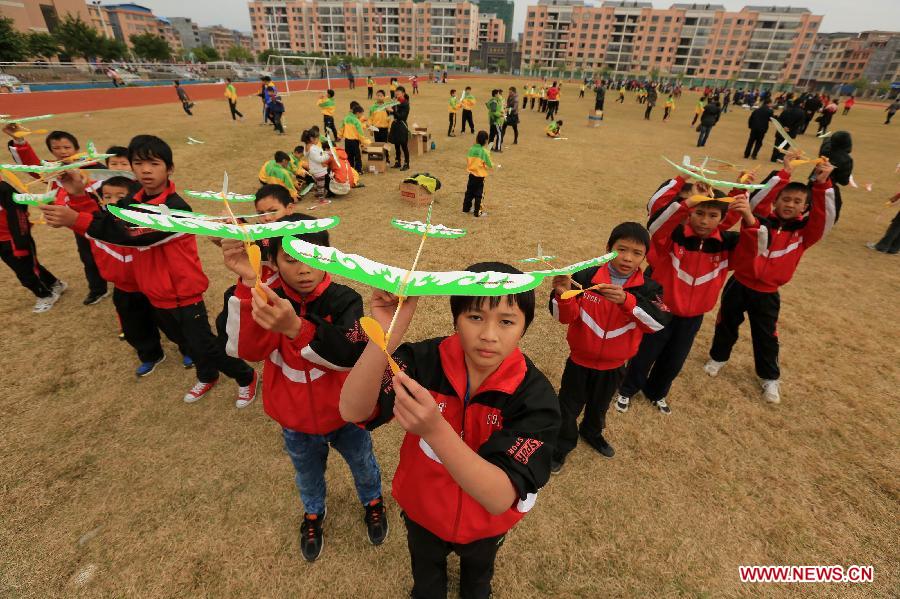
425 136
414 194
418 143
376 158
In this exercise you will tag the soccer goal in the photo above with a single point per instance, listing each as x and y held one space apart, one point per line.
298 67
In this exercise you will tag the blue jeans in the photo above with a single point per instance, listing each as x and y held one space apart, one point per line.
309 453
704 134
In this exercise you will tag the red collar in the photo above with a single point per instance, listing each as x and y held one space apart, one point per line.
312 295
160 199
506 379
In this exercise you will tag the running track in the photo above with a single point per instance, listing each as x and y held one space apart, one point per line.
90 100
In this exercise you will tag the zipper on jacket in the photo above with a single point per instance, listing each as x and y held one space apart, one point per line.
462 435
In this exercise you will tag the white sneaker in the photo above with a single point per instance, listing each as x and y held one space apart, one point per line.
622 403
770 391
247 394
713 367
663 406
44 303
59 287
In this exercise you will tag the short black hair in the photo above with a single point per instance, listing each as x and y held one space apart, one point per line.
482 137
273 190
281 156
148 147
309 135
318 238
559 123
299 149
629 230
356 107
400 88
381 91
795 186
117 151
452 91
460 304
716 204
58 135
130 184
330 93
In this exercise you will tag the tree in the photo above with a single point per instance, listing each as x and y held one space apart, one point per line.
150 47
860 84
206 54
13 45
502 65
111 49
77 38
41 45
884 88
263 56
239 54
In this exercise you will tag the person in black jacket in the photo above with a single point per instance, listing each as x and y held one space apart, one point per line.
758 124
18 251
708 120
810 108
791 118
399 132
837 149
652 97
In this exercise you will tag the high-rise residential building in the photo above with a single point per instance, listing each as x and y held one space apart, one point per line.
839 59
490 29
126 20
187 31
765 44
443 31
42 15
505 11
223 39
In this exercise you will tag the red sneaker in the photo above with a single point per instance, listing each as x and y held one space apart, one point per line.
199 390
247 394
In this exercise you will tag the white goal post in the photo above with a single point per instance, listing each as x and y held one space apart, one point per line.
282 61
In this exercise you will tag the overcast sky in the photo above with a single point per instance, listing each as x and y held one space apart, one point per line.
840 15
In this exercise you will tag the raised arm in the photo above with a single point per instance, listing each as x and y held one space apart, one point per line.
361 390
823 210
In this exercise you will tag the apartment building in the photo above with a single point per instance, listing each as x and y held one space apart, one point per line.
766 44
223 39
505 11
187 31
491 29
839 59
42 15
122 21
444 31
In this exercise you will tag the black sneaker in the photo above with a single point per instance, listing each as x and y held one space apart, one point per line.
94 296
556 466
405 167
600 445
311 539
395 165
376 522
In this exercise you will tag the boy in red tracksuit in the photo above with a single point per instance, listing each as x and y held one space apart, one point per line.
678 189
605 329
166 266
306 331
18 251
480 423
753 288
691 258
64 145
136 315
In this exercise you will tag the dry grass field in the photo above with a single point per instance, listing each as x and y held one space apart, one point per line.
113 487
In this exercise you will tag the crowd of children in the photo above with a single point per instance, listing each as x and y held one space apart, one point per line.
484 427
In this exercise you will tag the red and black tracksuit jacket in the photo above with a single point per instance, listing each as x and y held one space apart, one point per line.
15 228
511 421
302 377
166 266
782 243
668 193
691 269
603 335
